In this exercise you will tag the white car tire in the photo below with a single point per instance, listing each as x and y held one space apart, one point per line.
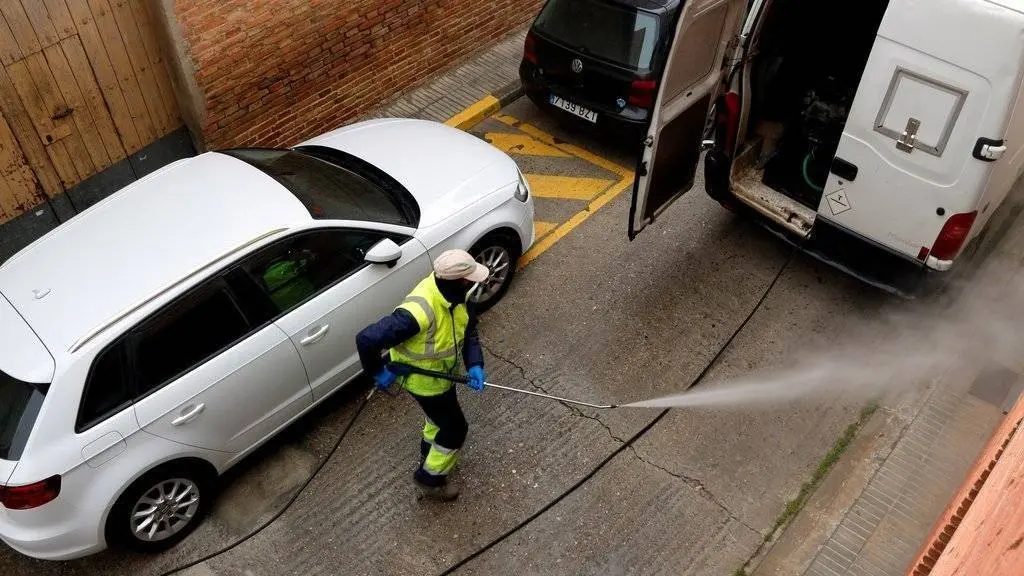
161 508
499 251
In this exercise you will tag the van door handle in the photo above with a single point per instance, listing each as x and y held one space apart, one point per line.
989 150
188 415
845 170
315 335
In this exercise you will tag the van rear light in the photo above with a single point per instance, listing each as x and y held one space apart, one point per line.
642 92
728 121
530 49
951 238
30 495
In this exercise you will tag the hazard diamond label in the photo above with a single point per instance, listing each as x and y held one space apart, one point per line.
838 202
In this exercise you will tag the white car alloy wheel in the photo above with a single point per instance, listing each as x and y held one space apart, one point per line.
165 509
162 507
500 253
498 260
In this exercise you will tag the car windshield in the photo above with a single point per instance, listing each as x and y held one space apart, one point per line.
19 406
334 185
625 36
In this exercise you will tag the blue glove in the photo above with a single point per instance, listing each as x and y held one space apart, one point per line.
384 378
476 378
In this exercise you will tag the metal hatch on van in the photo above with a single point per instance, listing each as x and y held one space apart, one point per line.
689 86
26 370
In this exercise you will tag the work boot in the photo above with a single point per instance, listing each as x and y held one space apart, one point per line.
446 492
434 488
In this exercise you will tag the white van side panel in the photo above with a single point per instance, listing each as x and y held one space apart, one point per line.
1008 169
954 65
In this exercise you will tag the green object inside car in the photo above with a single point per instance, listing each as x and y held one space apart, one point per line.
287 283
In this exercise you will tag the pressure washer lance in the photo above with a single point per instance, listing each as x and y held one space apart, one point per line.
399 368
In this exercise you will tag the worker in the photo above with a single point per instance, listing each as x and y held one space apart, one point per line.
427 331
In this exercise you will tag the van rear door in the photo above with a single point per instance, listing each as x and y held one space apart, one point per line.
907 174
691 81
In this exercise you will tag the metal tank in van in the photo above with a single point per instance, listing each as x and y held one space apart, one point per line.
879 136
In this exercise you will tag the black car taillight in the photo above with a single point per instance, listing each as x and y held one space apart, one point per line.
30 496
530 49
642 92
951 238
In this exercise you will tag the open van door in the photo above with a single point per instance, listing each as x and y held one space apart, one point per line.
689 85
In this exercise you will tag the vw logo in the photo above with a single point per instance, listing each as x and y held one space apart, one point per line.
577 65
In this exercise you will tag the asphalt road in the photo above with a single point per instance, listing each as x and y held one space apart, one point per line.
596 317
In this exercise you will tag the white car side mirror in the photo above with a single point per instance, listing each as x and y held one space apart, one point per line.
384 252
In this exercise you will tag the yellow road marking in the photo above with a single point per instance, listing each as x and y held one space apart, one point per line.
541 228
625 183
523 144
548 236
542 245
475 113
566 187
570 149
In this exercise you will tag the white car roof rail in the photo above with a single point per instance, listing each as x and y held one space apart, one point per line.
131 309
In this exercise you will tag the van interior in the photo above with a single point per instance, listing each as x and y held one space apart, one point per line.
808 59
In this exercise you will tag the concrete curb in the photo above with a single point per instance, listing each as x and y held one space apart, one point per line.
486 106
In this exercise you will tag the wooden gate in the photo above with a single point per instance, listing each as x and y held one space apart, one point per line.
83 84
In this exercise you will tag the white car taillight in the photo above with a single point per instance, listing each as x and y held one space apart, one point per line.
31 495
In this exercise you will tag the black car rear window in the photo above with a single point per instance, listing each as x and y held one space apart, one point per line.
334 185
19 407
620 34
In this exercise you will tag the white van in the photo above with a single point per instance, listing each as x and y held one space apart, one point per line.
878 135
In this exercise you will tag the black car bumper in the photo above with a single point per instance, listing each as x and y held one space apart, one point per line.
626 121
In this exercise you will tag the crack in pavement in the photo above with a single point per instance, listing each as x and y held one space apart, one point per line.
699 487
533 382
689 481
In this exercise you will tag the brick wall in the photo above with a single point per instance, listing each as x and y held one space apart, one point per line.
272 72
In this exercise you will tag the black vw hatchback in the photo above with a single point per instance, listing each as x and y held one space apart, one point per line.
598 60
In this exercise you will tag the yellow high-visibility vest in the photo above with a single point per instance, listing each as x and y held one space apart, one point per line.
438 344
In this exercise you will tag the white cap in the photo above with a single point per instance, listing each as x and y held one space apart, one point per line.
458 264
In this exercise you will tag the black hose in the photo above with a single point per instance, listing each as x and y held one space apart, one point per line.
288 504
631 439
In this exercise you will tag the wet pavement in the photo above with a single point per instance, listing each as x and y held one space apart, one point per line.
592 316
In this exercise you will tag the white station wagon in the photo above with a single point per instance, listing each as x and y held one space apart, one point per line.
150 343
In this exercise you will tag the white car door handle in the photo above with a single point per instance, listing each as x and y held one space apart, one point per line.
188 415
315 335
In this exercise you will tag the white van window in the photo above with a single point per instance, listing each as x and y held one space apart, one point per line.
619 34
930 107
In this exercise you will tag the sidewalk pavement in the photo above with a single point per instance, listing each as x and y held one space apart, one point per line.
493 72
877 508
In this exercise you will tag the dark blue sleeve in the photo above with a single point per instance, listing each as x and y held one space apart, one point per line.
472 352
386 333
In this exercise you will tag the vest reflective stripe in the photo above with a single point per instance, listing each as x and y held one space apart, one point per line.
435 347
429 352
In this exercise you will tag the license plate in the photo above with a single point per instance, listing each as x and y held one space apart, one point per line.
574 108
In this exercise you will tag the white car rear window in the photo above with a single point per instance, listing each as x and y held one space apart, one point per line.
26 369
